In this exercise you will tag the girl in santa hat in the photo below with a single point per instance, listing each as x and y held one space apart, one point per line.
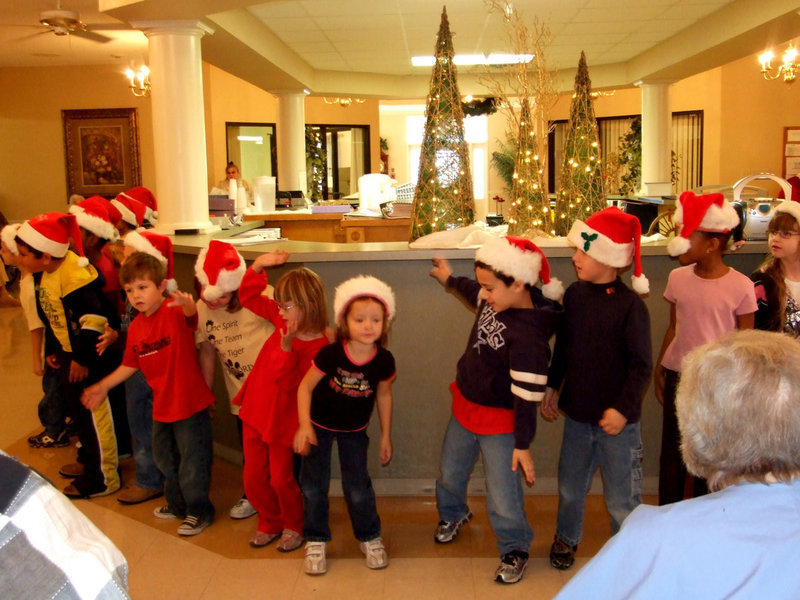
227 331
777 280
707 300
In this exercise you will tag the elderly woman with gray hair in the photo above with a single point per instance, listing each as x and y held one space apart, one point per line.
738 410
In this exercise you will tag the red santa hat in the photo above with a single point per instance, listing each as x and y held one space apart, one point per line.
133 212
790 207
92 215
709 212
521 259
363 286
612 238
146 197
219 269
8 235
51 234
157 245
113 212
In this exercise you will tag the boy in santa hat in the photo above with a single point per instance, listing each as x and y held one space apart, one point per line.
75 312
160 344
500 381
601 365
707 300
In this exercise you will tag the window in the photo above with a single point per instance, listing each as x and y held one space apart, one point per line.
336 156
252 147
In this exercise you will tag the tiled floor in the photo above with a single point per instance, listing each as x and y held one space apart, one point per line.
219 564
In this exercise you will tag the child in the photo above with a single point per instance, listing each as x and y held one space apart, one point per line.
227 330
707 300
499 380
269 395
777 280
161 343
335 401
604 360
74 311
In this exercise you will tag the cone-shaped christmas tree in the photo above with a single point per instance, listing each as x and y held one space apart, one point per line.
581 190
530 210
443 198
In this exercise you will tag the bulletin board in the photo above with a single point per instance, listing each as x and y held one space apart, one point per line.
791 151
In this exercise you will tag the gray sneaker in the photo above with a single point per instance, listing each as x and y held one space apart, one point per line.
512 566
447 531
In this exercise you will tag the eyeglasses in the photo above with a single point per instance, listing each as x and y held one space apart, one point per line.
285 306
784 235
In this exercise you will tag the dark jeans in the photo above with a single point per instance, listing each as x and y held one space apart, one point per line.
315 479
672 470
54 406
182 451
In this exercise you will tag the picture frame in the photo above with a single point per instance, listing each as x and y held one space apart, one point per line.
101 151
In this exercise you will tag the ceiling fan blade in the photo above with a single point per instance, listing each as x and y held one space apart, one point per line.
91 36
31 35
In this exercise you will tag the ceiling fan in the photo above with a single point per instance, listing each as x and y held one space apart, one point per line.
68 22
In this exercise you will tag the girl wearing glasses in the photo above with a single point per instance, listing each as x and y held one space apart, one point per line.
777 280
268 398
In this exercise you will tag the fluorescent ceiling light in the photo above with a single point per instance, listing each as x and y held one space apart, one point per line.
258 139
495 58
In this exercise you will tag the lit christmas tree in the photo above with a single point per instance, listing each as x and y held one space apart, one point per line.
530 207
443 198
581 188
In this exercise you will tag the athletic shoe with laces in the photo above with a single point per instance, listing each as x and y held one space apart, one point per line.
447 531
165 512
314 562
512 566
45 440
192 525
242 509
562 555
375 552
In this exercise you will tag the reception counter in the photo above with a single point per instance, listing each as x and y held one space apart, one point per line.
334 227
429 335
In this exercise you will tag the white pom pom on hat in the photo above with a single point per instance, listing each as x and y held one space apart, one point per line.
8 235
522 260
219 269
709 212
612 238
363 286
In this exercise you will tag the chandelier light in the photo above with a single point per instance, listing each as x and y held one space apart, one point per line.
788 70
343 102
139 81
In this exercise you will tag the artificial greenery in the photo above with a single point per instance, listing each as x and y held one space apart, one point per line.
315 162
503 161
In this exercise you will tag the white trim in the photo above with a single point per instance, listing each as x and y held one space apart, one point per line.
127 213
41 242
526 394
94 224
141 244
504 257
603 249
528 377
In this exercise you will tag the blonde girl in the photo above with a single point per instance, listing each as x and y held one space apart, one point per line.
268 398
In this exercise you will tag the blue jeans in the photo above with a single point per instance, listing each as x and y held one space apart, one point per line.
585 447
139 401
54 406
504 498
315 479
182 451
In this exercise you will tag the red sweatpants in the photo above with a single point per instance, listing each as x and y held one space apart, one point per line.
270 484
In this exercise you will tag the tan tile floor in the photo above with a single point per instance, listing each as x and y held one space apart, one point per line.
219 564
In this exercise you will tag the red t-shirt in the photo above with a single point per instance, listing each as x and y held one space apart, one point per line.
162 346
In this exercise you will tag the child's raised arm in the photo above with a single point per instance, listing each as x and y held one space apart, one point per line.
269 259
305 437
185 301
441 270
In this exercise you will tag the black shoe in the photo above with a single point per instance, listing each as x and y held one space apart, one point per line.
512 567
45 440
562 555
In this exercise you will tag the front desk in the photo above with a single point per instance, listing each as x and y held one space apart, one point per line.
334 227
427 338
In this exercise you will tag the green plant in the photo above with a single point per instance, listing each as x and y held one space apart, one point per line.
503 161
384 145
315 162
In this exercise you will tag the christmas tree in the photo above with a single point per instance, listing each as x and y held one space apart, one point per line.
530 207
581 190
443 198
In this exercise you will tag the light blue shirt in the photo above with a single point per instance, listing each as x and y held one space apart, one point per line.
741 542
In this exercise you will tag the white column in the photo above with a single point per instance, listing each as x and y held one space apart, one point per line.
179 137
291 137
656 139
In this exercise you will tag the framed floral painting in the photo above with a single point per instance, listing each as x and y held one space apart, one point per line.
101 148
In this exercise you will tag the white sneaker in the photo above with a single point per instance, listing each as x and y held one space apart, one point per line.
242 509
375 552
315 563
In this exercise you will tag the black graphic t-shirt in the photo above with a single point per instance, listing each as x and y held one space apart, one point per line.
344 398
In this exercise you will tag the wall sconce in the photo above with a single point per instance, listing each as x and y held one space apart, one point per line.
139 81
343 102
788 70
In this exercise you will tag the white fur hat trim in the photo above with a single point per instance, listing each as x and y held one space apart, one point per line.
8 235
363 286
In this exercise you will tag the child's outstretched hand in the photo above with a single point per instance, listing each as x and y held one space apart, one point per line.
613 421
304 438
108 337
524 460
93 395
270 259
185 300
549 406
441 269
